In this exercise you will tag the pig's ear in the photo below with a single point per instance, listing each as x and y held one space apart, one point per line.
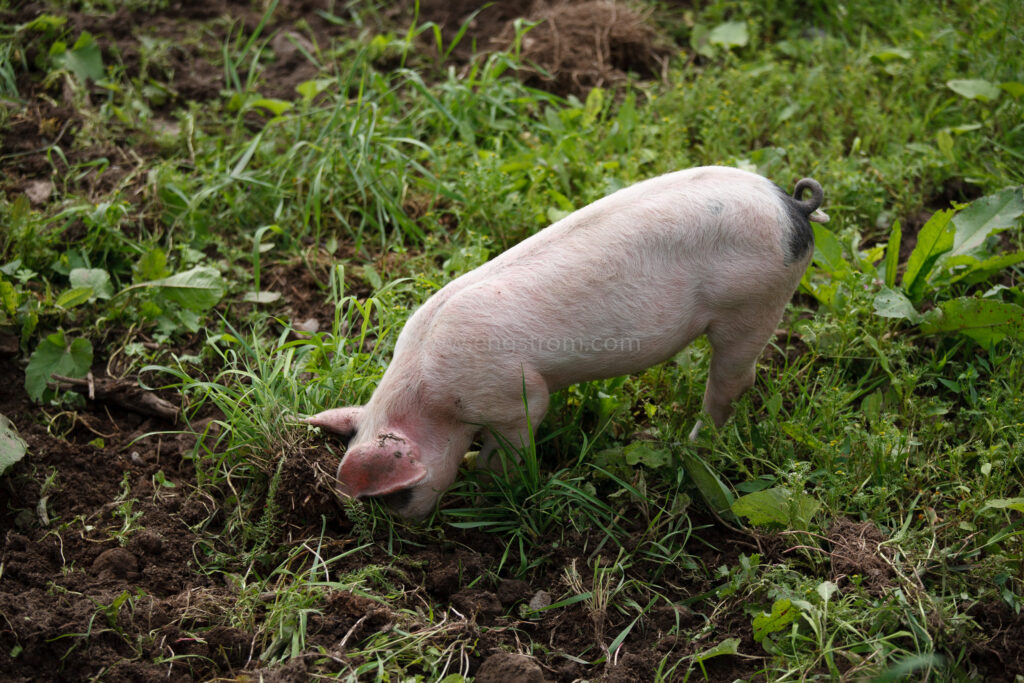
375 472
344 421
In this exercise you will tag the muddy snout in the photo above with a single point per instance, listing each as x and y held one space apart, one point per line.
386 466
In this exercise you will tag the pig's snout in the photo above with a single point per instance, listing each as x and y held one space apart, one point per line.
383 468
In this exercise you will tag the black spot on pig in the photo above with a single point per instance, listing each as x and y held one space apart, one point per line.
800 236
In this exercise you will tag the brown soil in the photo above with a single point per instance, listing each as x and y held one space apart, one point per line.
1001 657
857 555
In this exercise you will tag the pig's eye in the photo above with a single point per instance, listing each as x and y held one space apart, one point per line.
397 500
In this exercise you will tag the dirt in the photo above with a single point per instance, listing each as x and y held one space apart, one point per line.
1000 658
579 46
857 555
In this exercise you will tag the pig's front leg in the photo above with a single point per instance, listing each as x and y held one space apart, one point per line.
515 432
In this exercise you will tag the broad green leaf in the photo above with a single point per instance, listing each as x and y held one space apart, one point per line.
729 646
826 589
640 453
44 23
828 253
782 615
594 106
76 296
729 34
10 299
453 678
151 266
944 141
983 320
974 89
197 289
828 294
986 216
699 35
871 406
12 447
892 254
977 270
934 240
770 506
273 105
1014 88
83 59
1002 503
95 278
555 214
890 54
891 303
310 89
711 488
55 355
777 505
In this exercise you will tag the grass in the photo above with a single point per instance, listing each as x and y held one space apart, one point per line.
384 184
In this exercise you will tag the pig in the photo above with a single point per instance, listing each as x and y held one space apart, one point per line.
615 287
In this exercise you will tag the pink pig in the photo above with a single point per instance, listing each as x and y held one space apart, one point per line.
612 289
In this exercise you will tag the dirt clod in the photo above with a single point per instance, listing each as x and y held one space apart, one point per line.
506 667
117 563
147 542
511 591
856 551
475 601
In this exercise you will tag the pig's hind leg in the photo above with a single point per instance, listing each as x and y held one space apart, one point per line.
736 341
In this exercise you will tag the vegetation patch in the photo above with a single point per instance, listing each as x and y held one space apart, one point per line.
215 219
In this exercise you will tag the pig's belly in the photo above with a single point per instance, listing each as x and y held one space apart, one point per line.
577 359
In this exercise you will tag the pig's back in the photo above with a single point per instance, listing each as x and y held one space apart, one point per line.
625 282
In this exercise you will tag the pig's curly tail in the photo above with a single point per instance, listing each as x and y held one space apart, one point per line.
808 206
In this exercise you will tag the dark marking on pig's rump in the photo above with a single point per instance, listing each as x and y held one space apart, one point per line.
799 235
